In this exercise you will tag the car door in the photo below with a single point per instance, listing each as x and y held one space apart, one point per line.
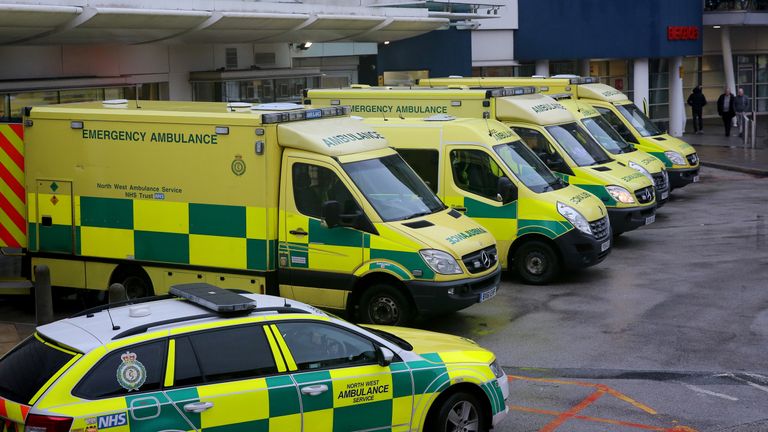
228 379
317 262
341 383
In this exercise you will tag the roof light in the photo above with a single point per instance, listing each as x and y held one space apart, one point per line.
456 103
386 42
277 106
440 117
335 102
115 103
222 130
512 91
213 298
305 114
76 125
238 106
543 89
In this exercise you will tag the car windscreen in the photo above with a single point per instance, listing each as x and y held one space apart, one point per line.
25 369
394 190
606 135
527 167
578 144
643 124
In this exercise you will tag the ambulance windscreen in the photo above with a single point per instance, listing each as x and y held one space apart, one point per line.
527 167
392 188
578 144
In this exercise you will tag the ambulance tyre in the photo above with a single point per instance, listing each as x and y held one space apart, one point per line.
384 304
135 280
536 262
459 412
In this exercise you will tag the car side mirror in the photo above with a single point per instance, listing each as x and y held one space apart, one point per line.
507 191
330 214
385 356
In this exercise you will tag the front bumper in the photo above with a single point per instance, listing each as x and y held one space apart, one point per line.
504 386
580 250
682 177
627 219
432 298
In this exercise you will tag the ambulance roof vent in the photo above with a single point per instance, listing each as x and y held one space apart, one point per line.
456 76
239 106
115 103
277 106
440 117
560 96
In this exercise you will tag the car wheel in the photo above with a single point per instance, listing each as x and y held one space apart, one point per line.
461 412
385 305
137 284
537 263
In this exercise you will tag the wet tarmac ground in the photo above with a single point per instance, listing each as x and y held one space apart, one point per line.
669 333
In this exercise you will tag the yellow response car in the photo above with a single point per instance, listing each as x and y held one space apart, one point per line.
214 360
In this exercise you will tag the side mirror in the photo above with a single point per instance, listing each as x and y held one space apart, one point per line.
330 214
507 191
385 356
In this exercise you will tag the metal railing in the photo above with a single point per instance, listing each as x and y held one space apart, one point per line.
748 128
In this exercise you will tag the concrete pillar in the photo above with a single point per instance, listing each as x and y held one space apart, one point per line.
676 99
640 79
725 40
542 67
584 67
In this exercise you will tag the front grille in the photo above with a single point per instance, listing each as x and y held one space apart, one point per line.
644 195
600 228
474 261
660 181
693 159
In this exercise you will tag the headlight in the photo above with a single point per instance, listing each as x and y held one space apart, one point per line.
620 194
441 262
496 369
643 171
675 157
574 217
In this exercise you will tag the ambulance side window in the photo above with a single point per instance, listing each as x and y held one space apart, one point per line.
132 369
313 185
223 355
537 142
320 346
476 172
620 127
425 163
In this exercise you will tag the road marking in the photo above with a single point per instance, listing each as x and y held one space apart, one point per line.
708 392
573 412
746 381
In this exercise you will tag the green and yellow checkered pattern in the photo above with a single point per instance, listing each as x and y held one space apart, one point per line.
153 230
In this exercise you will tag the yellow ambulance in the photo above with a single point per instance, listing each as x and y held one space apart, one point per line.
543 124
480 167
212 360
618 149
633 125
276 198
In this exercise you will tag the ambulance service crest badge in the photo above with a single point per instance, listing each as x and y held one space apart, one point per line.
131 374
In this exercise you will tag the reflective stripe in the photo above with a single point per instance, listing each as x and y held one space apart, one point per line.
170 366
284 348
275 350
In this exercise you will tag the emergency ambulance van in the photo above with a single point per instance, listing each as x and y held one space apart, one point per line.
208 359
617 148
480 167
543 124
275 198
633 125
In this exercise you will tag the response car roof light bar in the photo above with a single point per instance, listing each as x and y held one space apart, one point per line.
213 298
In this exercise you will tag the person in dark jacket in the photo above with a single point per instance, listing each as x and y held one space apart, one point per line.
726 110
697 101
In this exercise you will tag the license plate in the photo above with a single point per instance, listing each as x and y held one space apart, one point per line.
664 195
604 247
696 179
650 220
487 295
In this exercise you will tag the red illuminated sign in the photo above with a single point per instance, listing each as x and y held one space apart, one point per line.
682 33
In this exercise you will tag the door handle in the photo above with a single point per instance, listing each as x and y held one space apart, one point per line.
459 208
298 232
198 407
314 390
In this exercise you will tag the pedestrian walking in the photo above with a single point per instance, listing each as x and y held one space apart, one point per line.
697 100
741 106
725 109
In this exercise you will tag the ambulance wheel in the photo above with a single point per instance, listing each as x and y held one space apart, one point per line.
460 412
384 305
136 282
536 262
